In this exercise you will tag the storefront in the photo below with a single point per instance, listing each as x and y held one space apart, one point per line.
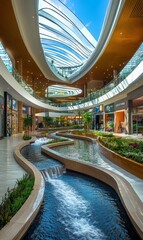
135 109
120 116
14 118
10 115
137 115
109 117
98 118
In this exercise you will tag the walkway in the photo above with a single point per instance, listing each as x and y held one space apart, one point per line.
10 171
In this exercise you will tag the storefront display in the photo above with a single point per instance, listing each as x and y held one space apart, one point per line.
10 115
120 116
109 117
98 118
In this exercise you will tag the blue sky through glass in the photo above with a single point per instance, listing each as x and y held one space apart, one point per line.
90 12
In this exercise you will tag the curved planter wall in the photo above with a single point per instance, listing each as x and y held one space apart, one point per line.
132 204
123 162
21 221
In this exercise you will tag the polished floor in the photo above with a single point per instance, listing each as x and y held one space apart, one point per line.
10 171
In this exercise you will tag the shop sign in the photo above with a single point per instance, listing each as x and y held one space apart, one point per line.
98 109
109 108
120 105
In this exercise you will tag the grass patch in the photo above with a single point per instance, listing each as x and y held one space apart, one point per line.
56 140
102 134
15 198
129 148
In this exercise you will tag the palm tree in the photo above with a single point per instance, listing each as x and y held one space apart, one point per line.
87 119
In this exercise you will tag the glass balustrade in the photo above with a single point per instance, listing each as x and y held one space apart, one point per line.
131 65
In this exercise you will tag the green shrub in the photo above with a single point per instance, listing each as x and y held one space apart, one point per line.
15 198
102 134
26 137
129 148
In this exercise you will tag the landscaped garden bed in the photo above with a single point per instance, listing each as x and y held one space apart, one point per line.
92 134
126 153
15 198
128 148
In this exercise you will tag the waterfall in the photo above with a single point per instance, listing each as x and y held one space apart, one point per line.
53 172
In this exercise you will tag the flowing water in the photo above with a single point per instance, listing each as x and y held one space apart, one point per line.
77 207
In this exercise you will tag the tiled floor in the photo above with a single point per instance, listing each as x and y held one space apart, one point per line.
10 171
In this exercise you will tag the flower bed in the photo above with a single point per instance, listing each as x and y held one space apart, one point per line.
128 148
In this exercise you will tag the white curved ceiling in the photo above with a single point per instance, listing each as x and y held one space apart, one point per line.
26 13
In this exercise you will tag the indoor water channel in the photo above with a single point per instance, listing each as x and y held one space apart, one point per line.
76 206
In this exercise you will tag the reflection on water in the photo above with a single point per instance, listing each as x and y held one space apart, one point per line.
81 150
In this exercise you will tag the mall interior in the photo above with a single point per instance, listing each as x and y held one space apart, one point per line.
52 66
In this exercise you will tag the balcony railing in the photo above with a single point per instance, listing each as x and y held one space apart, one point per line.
126 71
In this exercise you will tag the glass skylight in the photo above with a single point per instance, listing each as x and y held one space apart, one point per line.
61 91
66 42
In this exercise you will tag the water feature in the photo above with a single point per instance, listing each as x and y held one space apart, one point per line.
32 152
81 150
89 152
78 207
